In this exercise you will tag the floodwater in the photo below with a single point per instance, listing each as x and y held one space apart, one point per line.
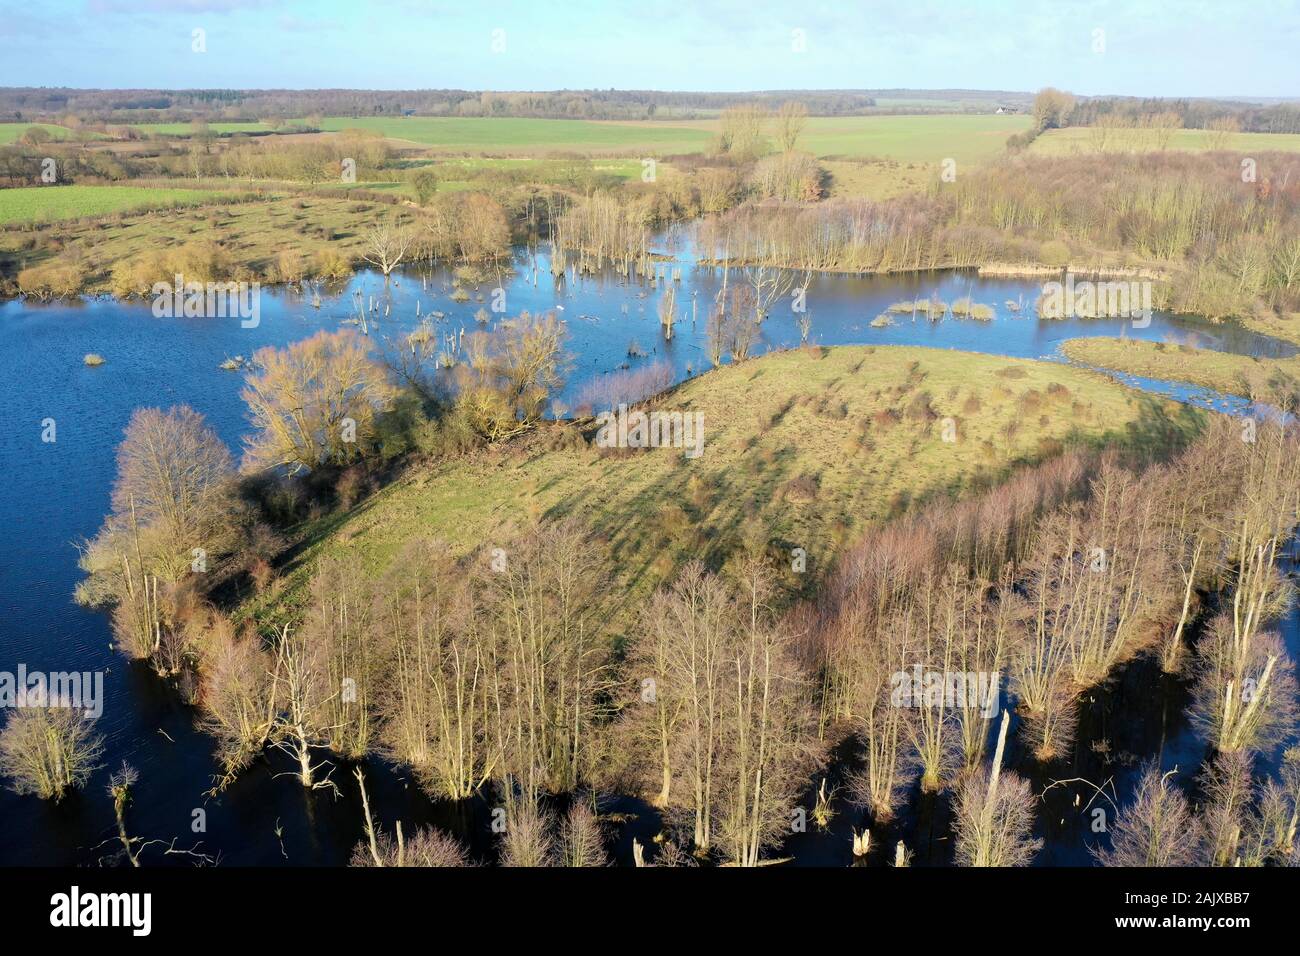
58 492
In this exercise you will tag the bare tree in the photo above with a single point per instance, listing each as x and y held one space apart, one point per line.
742 130
304 698
527 841
543 614
235 696
174 508
995 815
790 122
48 750
1157 829
313 403
581 840
386 246
437 696
729 717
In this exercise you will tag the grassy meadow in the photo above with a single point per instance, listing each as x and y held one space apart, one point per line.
186 129
10 132
516 135
53 202
252 233
812 445
1084 140
1232 374
913 139
921 138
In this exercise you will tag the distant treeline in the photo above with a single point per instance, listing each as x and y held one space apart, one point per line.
1193 114
164 106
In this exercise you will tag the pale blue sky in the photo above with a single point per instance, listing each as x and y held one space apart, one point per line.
1151 47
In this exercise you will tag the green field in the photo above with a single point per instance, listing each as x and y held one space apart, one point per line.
507 134
42 203
921 139
185 129
1084 140
812 445
542 169
917 139
9 132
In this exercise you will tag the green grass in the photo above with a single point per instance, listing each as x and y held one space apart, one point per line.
48 203
10 132
511 134
923 139
252 234
913 139
186 129
1231 374
1064 142
876 179
825 416
538 170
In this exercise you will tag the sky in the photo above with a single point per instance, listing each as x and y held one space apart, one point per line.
1090 47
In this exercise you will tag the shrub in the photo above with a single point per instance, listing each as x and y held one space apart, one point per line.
52 280
48 750
330 263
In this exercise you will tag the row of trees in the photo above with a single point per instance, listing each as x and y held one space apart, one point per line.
95 107
1234 242
498 673
1054 579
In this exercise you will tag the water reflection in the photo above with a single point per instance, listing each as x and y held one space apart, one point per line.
58 493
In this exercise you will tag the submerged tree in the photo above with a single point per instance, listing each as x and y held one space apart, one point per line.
508 375
304 698
1157 829
386 246
995 815
1245 694
314 403
235 697
48 750
175 514
727 718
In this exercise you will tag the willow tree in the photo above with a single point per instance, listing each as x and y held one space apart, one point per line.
437 677
1156 829
235 698
173 499
314 403
48 750
790 122
542 610
1245 694
995 815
